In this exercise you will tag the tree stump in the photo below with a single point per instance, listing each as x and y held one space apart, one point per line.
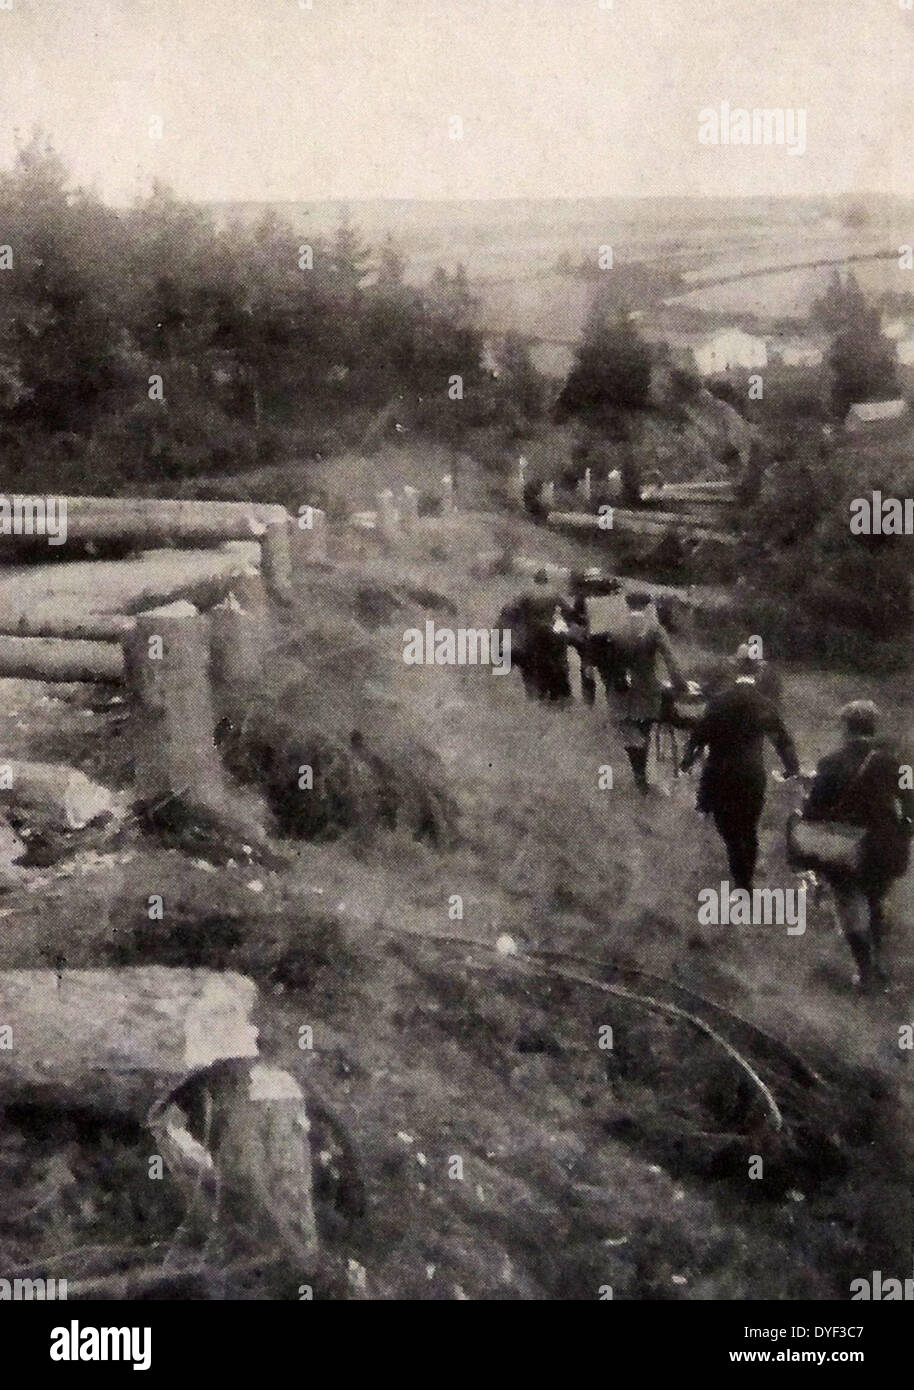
308 543
410 516
276 560
239 641
387 519
166 660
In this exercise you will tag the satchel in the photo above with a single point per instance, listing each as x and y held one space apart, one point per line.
829 846
832 847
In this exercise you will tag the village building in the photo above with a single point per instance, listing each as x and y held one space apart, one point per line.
872 414
730 350
904 351
799 352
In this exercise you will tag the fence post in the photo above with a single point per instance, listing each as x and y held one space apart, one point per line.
387 515
166 662
308 537
276 560
238 642
410 508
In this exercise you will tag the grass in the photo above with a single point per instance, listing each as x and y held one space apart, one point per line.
580 1168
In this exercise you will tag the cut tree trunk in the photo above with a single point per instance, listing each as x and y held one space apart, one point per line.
174 1049
117 1041
59 659
166 661
61 797
83 627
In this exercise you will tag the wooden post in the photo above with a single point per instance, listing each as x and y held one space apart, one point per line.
387 515
238 643
521 477
614 485
166 660
276 560
250 591
410 508
547 496
308 538
447 495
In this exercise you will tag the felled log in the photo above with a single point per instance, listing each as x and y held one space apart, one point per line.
117 1041
174 1049
59 659
60 797
639 524
151 521
83 627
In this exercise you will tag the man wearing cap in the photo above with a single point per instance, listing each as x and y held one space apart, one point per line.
860 785
732 788
639 694
743 663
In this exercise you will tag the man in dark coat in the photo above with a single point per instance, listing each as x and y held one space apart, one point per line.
732 788
537 649
860 784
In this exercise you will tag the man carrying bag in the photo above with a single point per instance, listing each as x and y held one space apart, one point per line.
855 829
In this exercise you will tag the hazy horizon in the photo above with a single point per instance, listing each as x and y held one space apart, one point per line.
352 100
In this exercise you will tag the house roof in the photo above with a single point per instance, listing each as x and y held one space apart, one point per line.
869 411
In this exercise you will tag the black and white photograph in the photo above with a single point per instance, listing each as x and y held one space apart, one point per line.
456 681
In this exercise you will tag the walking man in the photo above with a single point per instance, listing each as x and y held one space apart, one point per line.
860 785
732 788
639 693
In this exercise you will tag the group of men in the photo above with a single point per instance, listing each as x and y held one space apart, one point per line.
620 641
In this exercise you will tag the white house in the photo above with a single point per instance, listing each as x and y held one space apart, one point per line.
799 352
728 350
904 351
868 413
895 328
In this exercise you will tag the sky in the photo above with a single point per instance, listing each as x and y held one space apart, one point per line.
350 99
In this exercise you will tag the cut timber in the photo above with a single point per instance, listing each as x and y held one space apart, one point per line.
166 660
249 590
84 627
59 659
640 524
153 520
118 1040
61 796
